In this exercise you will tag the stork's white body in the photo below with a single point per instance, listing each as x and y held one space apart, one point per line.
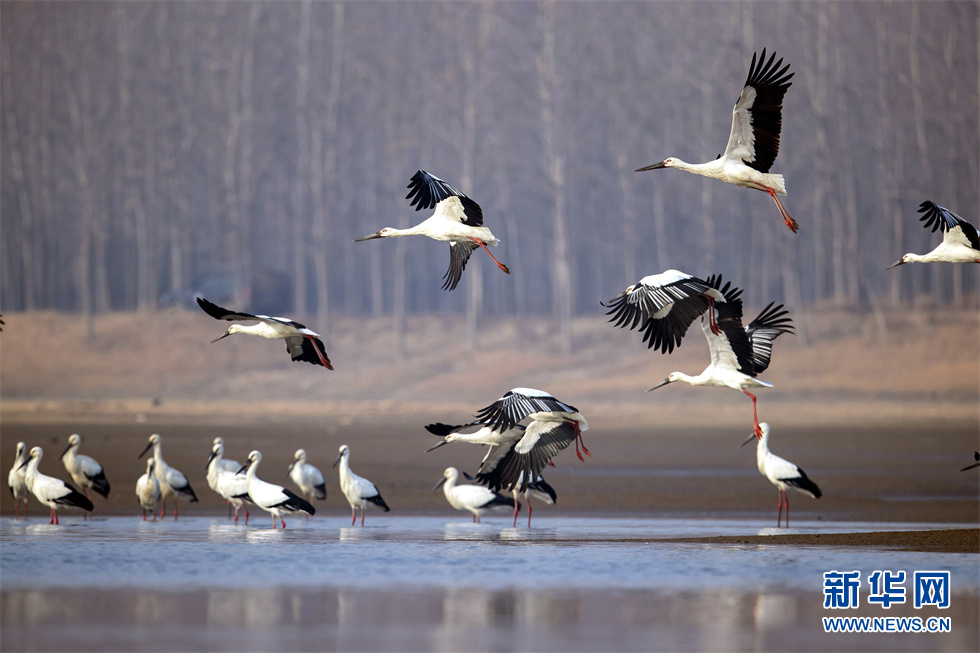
172 481
148 490
274 499
16 481
217 462
358 490
50 491
84 470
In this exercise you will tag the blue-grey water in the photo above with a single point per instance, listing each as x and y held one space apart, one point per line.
444 583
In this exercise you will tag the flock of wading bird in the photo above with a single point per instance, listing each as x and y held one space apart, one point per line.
525 428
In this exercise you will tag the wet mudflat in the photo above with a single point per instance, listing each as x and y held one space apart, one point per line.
443 583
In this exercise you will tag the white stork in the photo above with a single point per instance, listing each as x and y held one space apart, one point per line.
301 343
274 499
223 478
780 472
84 470
172 481
961 244
307 478
754 141
16 481
520 403
473 498
50 491
148 490
664 305
738 354
457 220
358 490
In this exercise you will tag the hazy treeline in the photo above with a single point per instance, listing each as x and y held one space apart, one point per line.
145 144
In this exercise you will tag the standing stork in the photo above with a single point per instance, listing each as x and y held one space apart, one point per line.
738 354
307 478
172 481
961 244
358 490
474 498
274 499
148 490
84 470
664 305
16 481
301 343
224 479
754 140
52 492
457 220
780 472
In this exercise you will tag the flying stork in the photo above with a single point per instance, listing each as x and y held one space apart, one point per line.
301 343
664 305
961 244
738 354
754 141
780 472
457 220
52 492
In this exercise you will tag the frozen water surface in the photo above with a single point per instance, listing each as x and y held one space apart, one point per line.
444 583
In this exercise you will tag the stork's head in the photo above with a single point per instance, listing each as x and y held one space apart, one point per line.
344 451
666 163
384 233
233 329
905 259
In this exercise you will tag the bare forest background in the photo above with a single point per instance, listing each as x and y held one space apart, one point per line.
153 148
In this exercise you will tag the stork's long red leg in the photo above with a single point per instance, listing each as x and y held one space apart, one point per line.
323 360
779 515
362 516
528 510
499 264
163 511
755 415
712 322
515 508
790 222
786 496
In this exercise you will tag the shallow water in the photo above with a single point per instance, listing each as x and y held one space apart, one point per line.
438 583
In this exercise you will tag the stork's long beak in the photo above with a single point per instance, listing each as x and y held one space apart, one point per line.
439 484
24 464
436 446
376 234
223 335
210 458
749 439
337 462
143 453
243 467
655 166
291 465
895 264
659 385
65 451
